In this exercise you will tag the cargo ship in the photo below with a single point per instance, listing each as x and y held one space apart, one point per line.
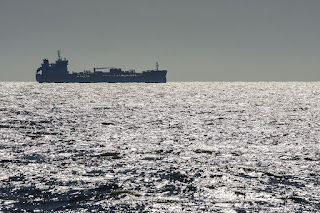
58 73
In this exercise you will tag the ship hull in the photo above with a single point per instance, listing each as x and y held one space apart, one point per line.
149 77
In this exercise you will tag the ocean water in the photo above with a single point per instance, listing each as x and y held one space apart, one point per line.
175 147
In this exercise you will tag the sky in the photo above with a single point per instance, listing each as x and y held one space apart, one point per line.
195 40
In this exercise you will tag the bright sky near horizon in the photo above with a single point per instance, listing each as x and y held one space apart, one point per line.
195 40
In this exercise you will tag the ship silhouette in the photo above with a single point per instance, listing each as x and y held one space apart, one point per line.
58 73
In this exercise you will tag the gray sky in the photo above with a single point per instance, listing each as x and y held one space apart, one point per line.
195 40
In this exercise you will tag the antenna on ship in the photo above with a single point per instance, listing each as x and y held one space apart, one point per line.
59 55
157 66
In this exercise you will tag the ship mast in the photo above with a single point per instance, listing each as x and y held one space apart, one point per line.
59 55
157 66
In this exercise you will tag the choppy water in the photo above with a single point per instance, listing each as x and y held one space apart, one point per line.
175 147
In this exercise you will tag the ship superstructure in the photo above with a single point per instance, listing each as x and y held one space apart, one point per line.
58 73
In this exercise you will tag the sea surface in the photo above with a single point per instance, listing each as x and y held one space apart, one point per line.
175 147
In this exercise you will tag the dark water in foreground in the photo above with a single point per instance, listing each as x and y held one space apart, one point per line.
176 147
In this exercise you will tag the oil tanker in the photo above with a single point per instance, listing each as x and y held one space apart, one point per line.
58 73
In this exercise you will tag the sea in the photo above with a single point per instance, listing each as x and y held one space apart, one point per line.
174 147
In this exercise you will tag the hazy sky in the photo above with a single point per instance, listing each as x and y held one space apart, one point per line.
195 40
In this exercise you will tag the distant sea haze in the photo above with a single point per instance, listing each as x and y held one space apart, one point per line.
175 147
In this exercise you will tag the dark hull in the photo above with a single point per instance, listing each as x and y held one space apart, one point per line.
147 77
